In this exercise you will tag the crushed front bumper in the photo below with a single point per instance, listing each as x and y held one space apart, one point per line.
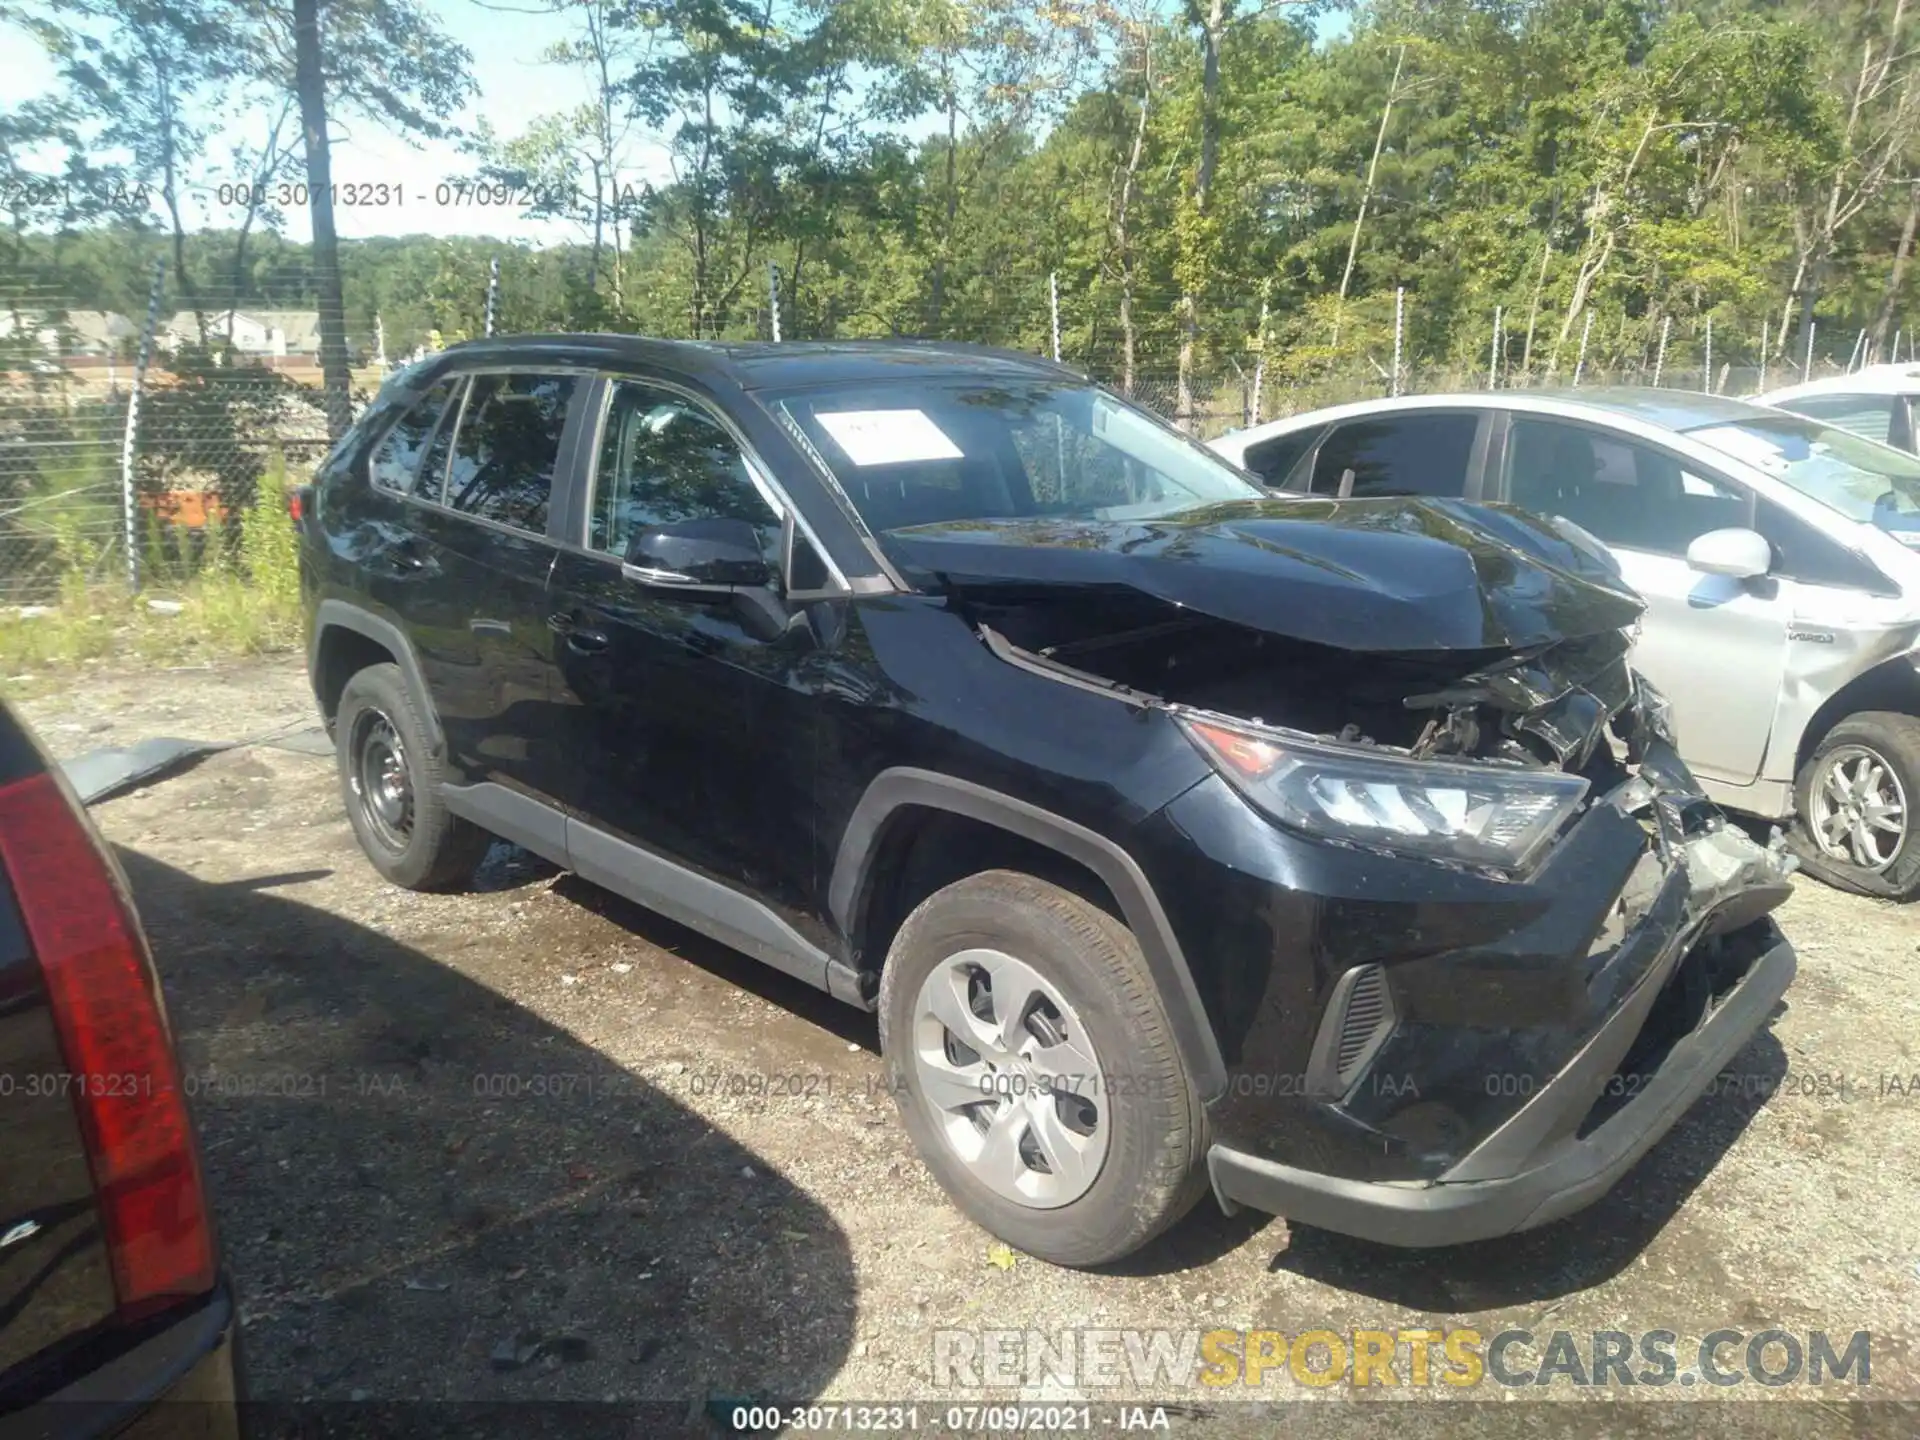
1688 968
1562 1174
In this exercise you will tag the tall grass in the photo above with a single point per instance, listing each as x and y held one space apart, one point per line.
228 596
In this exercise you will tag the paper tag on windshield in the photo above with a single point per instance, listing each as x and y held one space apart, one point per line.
888 437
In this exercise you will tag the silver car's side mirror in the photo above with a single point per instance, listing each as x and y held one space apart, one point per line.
1738 553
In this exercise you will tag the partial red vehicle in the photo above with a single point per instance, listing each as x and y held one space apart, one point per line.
112 1296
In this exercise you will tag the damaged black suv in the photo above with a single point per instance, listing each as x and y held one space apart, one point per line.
1326 854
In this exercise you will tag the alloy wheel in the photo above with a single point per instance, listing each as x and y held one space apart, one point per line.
1858 808
1013 1080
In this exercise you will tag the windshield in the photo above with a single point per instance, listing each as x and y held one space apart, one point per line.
1861 479
932 451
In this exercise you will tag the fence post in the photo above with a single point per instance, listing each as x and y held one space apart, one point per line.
1766 335
129 438
1706 374
1053 310
1493 355
1660 355
379 342
1399 332
1581 363
493 291
1893 357
1806 366
1859 348
773 297
1259 360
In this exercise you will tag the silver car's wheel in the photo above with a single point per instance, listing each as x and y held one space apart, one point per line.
1003 1059
1857 808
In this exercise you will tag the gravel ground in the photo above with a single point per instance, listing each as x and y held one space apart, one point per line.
533 1143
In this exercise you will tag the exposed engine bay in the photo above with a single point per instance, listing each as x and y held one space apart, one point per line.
1556 705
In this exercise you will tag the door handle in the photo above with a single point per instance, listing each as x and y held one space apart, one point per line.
408 557
582 639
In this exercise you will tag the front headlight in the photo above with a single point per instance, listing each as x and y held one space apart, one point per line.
1471 814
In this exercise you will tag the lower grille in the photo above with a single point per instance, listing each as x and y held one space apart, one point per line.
1358 1021
1366 1013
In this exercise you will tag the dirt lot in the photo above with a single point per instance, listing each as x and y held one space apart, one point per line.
535 1143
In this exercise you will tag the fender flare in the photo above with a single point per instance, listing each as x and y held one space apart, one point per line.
340 615
893 789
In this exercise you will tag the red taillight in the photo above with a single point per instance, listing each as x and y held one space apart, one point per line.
296 507
113 1032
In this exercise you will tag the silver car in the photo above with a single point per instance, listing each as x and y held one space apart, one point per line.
1878 402
1779 557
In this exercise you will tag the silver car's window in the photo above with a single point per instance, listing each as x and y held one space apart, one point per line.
1863 481
1615 489
1871 417
938 450
1416 454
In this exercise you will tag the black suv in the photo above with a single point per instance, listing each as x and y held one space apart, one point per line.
1325 852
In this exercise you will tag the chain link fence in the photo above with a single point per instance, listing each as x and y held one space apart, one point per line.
115 470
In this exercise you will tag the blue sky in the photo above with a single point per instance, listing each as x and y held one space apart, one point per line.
513 87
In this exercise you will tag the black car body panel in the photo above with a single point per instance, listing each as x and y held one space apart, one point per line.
790 767
1361 575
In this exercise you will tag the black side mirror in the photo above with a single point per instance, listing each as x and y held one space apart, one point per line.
699 555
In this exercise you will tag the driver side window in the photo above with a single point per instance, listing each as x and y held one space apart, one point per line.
664 459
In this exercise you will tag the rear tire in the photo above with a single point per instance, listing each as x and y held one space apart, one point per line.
1089 1135
390 780
1855 800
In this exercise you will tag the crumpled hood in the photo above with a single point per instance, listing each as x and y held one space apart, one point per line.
1386 574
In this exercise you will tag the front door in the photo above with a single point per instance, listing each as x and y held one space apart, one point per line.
689 715
1715 646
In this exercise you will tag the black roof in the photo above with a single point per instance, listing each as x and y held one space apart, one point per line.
760 365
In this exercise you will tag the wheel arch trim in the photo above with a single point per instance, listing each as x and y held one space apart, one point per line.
334 614
850 889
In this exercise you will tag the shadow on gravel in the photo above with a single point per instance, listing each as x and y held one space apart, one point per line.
428 1193
855 1027
1584 1250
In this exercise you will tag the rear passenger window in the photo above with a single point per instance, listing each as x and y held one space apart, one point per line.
396 461
508 446
1412 454
1273 460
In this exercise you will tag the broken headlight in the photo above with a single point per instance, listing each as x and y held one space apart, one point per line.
1656 711
1473 814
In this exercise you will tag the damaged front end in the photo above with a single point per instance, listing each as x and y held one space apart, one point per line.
1510 937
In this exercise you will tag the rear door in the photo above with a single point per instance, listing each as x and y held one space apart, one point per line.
486 648
1432 453
1716 646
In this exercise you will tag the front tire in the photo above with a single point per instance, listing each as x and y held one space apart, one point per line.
1036 1070
1855 799
390 780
